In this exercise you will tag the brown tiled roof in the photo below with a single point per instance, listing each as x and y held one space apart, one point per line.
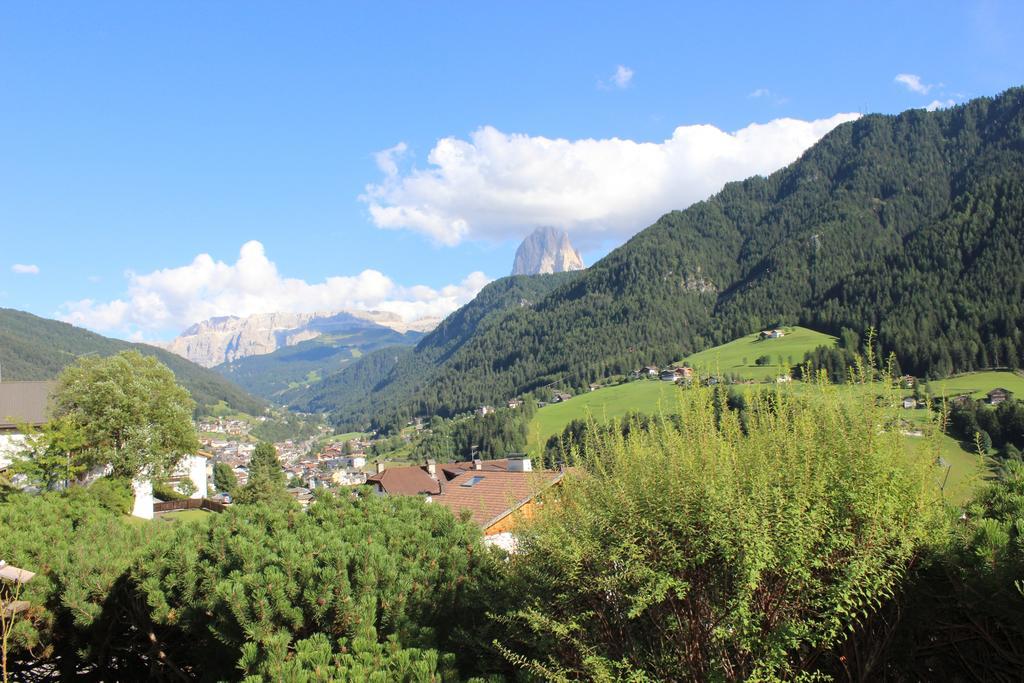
24 402
454 469
495 495
405 481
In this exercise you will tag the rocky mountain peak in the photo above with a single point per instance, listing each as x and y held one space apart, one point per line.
546 250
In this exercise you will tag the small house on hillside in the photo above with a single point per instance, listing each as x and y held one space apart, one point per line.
771 334
961 400
909 402
998 395
484 410
560 396
668 376
514 403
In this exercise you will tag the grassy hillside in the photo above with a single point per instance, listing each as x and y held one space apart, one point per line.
651 397
654 396
34 348
641 396
977 384
736 357
739 356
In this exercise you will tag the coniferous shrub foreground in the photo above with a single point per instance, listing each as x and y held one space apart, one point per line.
790 535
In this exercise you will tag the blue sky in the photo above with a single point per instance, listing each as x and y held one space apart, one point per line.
136 136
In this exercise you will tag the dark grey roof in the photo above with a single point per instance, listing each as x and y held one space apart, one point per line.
24 402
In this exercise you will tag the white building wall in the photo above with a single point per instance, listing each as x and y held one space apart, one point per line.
10 446
197 473
143 490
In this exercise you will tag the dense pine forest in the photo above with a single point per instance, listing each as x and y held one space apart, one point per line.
911 224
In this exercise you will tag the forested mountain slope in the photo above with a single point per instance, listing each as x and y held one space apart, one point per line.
913 224
290 370
33 348
380 381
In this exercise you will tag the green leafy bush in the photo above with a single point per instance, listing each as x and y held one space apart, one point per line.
705 548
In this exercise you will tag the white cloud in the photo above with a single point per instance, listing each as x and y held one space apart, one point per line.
622 76
174 298
940 104
620 79
25 269
913 83
760 92
496 185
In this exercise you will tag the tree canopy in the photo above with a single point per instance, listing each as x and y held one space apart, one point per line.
126 411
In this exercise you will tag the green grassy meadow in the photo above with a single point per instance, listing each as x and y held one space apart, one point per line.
347 436
183 515
640 396
978 383
738 356
966 469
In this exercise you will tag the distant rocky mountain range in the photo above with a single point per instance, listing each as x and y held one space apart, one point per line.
231 338
546 250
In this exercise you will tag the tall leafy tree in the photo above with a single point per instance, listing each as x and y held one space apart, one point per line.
127 411
267 478
224 478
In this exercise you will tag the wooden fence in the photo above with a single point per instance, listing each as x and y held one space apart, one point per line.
189 504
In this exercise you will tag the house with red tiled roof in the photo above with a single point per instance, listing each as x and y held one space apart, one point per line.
406 481
495 493
428 478
496 499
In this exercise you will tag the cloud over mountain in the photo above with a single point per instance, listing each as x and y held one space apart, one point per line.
497 185
173 298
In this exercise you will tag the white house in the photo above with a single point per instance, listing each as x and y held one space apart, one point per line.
194 467
355 461
21 403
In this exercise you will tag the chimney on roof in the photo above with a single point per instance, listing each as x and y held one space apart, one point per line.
478 464
519 464
431 468
380 467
